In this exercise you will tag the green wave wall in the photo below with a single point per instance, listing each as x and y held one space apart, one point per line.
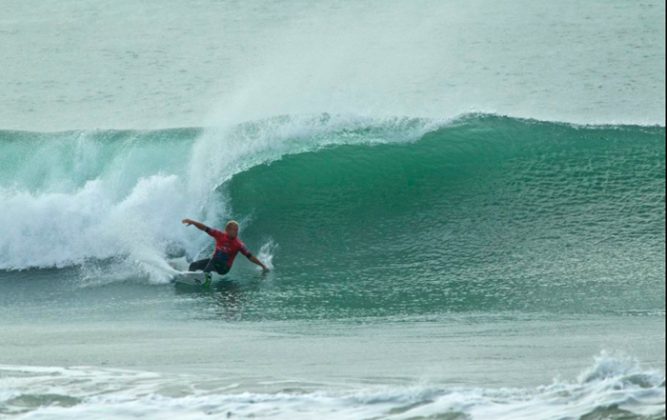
486 213
361 217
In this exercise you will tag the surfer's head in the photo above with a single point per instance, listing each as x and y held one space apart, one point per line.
232 228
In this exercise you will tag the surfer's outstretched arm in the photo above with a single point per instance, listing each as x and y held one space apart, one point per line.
195 223
258 262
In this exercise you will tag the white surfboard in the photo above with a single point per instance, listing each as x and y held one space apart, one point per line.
194 278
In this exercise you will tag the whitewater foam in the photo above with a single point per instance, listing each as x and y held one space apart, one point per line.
609 387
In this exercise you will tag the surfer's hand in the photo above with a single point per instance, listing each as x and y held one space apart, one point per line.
187 222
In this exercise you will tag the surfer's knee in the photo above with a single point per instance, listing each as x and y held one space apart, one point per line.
198 265
222 269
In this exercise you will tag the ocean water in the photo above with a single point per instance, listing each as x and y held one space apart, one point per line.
462 203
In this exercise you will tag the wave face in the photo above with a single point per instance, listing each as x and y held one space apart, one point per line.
369 216
487 212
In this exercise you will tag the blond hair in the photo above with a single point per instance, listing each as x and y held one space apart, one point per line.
231 222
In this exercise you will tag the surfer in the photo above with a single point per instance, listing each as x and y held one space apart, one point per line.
227 245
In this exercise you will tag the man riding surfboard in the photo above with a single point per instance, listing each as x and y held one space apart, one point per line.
227 245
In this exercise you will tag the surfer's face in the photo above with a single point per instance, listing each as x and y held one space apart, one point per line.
232 230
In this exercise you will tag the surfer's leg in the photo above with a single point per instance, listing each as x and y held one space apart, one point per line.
200 265
210 266
222 269
219 263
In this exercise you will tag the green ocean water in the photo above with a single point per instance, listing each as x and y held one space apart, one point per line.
484 213
396 246
489 213
462 205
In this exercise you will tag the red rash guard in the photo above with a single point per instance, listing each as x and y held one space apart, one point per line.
227 247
